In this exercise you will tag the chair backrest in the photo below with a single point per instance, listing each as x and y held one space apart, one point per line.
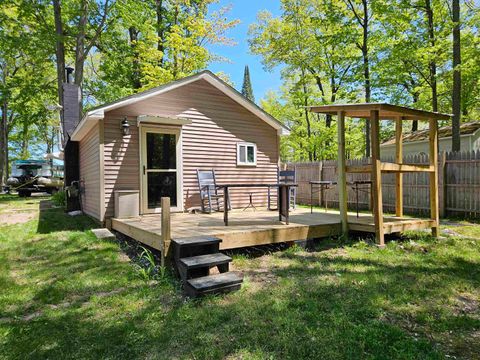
287 176
206 179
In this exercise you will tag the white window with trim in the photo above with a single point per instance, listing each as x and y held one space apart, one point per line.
246 154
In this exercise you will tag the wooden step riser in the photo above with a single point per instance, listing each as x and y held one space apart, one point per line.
194 250
192 292
186 274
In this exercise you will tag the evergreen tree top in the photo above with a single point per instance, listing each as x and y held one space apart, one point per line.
247 90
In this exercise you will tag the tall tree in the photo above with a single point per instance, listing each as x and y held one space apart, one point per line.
457 77
151 45
361 10
247 90
26 78
59 50
311 35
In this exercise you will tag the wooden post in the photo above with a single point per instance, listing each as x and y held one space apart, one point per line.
398 175
342 175
434 176
166 227
442 178
377 178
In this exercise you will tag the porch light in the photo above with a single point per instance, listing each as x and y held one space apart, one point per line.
125 127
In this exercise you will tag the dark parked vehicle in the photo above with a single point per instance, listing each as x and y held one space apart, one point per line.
29 176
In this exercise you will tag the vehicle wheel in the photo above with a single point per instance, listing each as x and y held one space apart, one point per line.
25 193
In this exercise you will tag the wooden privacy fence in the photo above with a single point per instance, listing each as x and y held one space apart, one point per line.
459 185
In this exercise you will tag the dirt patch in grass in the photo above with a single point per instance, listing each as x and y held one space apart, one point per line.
12 218
466 304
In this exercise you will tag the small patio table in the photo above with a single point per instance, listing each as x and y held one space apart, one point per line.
317 186
283 198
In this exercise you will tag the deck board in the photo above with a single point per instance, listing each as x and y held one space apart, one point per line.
251 228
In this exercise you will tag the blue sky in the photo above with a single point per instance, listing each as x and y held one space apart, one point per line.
239 55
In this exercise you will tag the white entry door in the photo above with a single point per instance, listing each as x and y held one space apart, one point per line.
161 168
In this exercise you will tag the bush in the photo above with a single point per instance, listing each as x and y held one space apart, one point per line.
59 198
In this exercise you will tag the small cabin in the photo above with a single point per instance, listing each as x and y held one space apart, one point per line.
152 143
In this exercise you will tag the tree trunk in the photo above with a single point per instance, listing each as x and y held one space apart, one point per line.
333 97
3 143
24 146
133 33
457 77
311 154
366 73
80 49
433 64
175 51
160 28
415 96
59 52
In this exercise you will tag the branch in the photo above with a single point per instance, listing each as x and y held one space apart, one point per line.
360 20
317 80
342 77
426 78
99 29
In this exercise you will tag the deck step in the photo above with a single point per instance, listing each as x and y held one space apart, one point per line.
193 246
214 284
205 260
196 241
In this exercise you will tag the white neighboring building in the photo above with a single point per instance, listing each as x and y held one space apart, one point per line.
417 142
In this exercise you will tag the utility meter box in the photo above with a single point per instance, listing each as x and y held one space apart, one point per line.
126 203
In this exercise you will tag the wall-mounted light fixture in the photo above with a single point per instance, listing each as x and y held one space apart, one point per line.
125 127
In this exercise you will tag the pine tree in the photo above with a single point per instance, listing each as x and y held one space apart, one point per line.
247 85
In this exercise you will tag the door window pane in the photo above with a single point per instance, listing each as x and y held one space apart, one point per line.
161 151
161 184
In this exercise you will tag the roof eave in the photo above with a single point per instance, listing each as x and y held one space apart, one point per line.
86 124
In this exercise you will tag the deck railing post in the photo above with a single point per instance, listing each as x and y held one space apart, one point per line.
434 175
342 175
398 175
442 178
377 177
166 227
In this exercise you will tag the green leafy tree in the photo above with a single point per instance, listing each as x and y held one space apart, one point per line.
314 44
27 82
154 43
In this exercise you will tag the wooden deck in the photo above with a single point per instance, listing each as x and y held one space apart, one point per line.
250 228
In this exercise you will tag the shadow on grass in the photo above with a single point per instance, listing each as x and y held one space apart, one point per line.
55 219
322 307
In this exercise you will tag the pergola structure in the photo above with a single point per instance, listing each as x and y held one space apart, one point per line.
374 112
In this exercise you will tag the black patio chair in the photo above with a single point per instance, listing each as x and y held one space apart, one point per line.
284 177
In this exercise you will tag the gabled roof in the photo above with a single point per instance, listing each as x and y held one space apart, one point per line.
443 132
97 113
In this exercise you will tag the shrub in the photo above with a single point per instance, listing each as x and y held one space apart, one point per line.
59 198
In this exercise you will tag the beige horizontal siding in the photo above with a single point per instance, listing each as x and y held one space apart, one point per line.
90 172
121 159
209 142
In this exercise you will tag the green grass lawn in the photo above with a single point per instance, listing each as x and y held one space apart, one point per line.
66 295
